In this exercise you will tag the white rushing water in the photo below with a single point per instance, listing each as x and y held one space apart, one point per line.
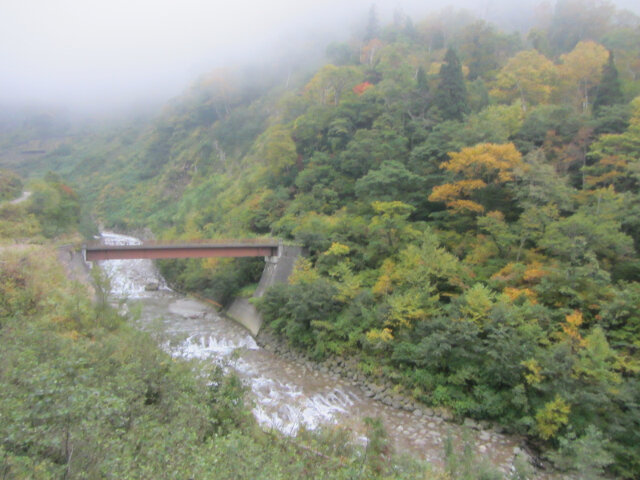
193 330
129 278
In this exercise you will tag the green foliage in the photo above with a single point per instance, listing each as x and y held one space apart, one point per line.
10 185
451 93
466 465
585 456
220 284
16 223
300 312
543 121
611 119
392 181
55 205
609 91
483 48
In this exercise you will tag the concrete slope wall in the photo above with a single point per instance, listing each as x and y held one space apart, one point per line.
277 270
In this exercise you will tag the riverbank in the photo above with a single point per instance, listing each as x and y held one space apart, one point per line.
482 436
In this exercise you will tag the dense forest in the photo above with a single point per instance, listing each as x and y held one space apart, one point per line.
469 199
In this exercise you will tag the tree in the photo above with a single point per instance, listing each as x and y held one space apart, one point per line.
370 148
327 85
392 181
581 70
55 205
586 238
609 91
614 157
421 80
586 455
277 151
451 93
484 49
373 25
389 230
217 90
539 184
553 416
480 166
390 225
368 55
546 125
10 185
529 76
419 100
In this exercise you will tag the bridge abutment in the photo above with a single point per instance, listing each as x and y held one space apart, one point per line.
276 270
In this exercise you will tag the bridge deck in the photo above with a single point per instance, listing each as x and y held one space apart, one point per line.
190 250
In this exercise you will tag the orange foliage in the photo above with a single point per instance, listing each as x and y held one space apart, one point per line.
479 165
67 189
460 206
450 194
444 193
361 88
506 274
534 272
495 162
571 327
515 293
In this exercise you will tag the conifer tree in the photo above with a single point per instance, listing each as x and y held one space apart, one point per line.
373 26
451 93
609 91
421 80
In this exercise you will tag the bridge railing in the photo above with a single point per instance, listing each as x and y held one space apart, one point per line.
263 241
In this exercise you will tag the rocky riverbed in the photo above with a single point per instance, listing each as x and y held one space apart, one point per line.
414 426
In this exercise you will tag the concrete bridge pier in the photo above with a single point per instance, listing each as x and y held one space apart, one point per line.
276 270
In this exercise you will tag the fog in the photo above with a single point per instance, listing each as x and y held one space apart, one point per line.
88 54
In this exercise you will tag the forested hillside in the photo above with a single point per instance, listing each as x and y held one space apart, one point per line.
469 198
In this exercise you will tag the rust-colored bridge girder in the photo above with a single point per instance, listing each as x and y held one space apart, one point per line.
197 250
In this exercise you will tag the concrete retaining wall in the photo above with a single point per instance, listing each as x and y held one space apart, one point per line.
276 270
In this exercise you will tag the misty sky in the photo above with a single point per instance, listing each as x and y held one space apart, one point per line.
89 53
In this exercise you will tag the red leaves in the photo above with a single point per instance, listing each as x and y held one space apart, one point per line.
361 88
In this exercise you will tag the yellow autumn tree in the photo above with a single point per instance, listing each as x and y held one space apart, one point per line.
303 272
528 76
571 329
581 70
552 417
477 167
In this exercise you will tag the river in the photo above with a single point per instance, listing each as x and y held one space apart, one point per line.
286 395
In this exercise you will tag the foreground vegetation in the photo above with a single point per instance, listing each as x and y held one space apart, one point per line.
469 199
